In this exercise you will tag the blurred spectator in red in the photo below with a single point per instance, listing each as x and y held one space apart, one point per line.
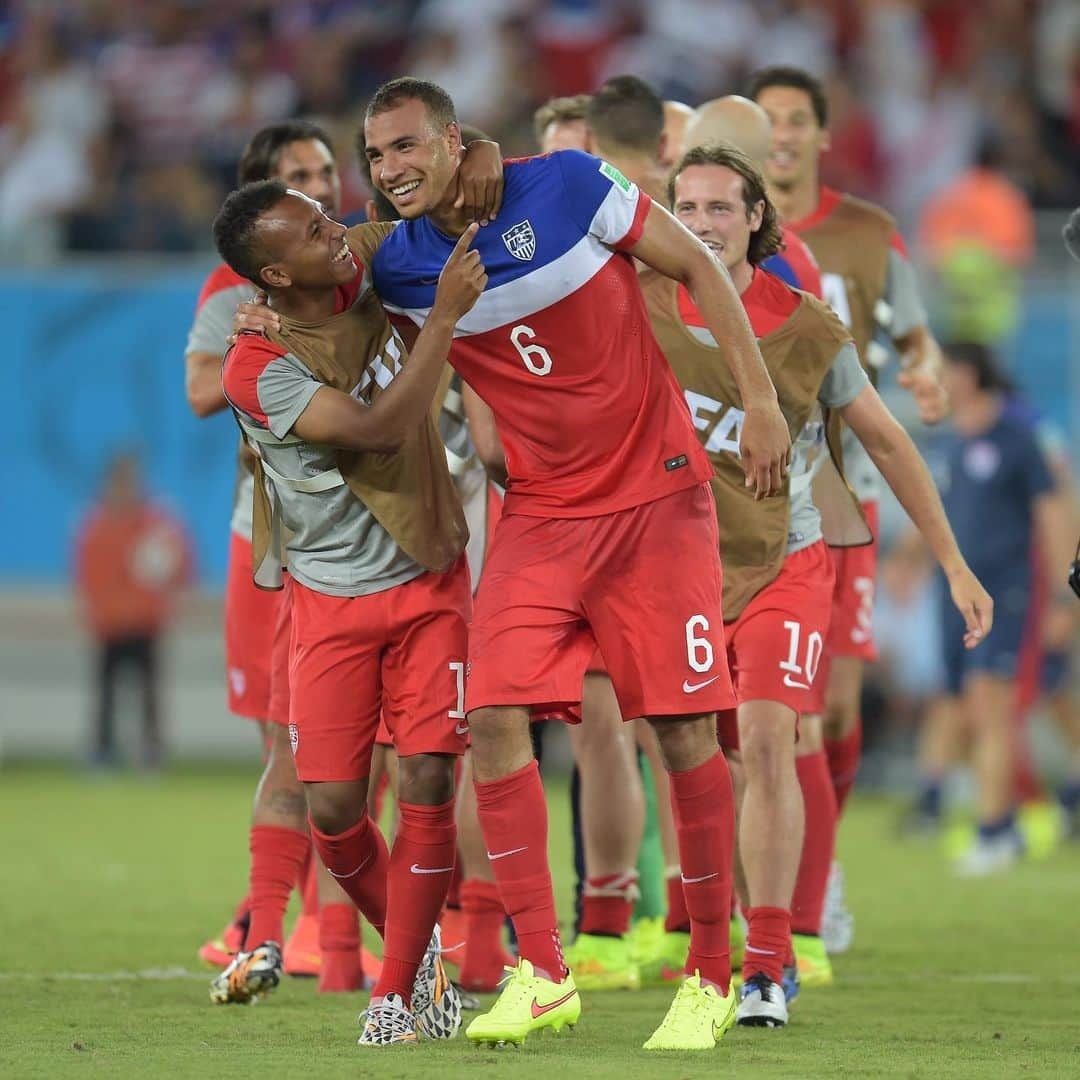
132 559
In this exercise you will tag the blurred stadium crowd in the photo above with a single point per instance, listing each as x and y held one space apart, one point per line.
121 121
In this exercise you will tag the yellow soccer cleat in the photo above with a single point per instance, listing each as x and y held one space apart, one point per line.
527 1003
697 1019
603 963
815 967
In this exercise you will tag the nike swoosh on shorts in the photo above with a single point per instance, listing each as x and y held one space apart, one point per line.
692 688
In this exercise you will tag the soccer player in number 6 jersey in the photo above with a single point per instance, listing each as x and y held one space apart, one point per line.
608 536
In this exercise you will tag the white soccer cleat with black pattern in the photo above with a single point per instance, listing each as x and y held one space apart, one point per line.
436 1003
387 1022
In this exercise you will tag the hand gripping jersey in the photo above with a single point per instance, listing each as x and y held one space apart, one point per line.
800 341
222 291
409 493
869 282
590 416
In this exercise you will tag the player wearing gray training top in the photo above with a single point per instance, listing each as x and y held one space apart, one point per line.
300 154
380 587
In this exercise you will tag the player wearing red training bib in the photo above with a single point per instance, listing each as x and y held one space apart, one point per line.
608 535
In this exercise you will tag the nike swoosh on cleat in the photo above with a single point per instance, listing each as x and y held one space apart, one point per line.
538 1010
503 854
430 869
695 880
692 688
352 873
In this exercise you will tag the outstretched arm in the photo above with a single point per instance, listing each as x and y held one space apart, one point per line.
892 451
670 248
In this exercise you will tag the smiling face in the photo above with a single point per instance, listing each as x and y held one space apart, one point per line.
797 139
412 161
308 166
709 201
303 248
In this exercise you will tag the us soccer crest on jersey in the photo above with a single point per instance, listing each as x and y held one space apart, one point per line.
520 241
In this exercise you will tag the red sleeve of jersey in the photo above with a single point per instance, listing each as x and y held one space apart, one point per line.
633 234
898 245
244 363
221 278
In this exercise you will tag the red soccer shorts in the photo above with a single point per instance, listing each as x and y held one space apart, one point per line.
851 631
643 584
397 654
250 618
279 656
774 647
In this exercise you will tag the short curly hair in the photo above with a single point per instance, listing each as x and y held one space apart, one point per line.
235 232
768 239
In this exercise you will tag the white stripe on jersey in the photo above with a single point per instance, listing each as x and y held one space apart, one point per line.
515 300
615 215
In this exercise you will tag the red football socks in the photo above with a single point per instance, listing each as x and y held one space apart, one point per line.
482 964
607 902
421 863
358 859
704 807
514 820
768 942
677 918
844 755
277 856
819 841
341 969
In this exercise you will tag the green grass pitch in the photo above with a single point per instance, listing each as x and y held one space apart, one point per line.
108 887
